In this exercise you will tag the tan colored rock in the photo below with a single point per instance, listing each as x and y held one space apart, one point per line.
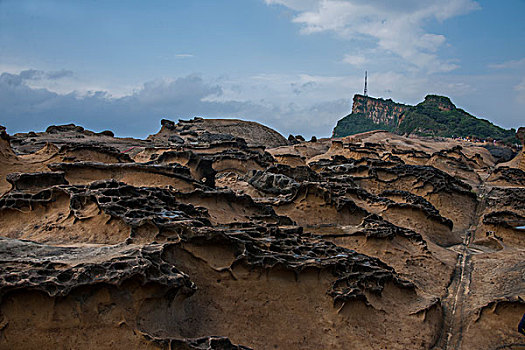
201 239
211 130
521 136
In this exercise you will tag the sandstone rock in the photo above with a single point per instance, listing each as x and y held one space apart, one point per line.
28 181
272 183
521 136
55 129
176 139
200 239
107 133
222 129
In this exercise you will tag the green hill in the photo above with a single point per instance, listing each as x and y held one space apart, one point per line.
435 116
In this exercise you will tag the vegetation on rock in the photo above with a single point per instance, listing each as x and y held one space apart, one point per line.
356 123
435 116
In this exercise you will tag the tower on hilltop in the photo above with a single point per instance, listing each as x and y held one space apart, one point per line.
365 93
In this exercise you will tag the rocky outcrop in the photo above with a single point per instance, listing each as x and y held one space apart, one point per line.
218 130
500 154
435 116
277 184
199 239
57 270
35 181
380 111
521 157
510 176
72 136
443 103
5 148
56 129
504 218
175 175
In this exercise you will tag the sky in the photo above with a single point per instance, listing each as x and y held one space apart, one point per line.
293 65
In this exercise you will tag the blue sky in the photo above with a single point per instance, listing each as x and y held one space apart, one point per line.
293 65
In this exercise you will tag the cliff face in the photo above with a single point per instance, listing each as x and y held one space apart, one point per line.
435 116
441 102
379 110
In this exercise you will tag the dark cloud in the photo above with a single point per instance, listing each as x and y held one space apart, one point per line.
59 74
24 108
33 74
300 88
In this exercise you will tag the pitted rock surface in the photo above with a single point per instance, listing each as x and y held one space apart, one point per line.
277 184
254 133
26 181
133 205
299 173
412 200
270 247
58 270
512 176
506 196
205 343
439 180
504 218
203 237
375 227
71 136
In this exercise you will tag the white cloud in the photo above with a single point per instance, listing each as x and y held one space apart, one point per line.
184 55
12 68
395 27
516 70
509 64
64 81
520 89
298 5
34 74
355 60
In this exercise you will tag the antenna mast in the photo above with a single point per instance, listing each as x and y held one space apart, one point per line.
366 83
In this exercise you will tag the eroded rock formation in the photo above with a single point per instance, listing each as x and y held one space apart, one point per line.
200 239
218 130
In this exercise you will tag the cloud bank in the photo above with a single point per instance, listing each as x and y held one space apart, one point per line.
290 103
24 107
